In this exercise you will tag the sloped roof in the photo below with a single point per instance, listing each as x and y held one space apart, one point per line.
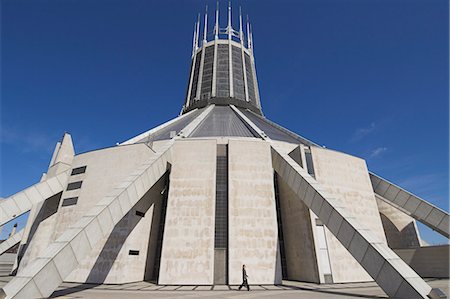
222 121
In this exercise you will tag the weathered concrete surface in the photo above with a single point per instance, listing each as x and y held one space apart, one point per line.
253 232
399 228
38 231
188 245
11 241
298 235
45 273
109 261
427 261
346 178
393 275
105 169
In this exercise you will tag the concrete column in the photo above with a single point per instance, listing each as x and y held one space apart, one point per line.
214 76
200 73
191 78
245 72
230 67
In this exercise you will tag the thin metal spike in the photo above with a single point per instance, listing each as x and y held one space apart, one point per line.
198 32
241 33
216 34
229 13
205 30
248 34
251 38
230 28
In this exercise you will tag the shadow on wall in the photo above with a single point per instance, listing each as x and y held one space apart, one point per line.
120 233
398 239
278 268
49 207
429 261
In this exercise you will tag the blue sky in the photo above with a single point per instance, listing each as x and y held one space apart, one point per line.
369 78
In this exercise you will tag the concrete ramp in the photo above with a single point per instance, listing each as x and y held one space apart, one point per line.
44 274
411 204
21 202
11 241
393 275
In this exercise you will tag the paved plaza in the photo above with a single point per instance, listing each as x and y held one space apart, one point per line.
288 290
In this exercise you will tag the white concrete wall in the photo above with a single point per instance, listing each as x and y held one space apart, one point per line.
110 261
347 178
106 169
188 245
298 236
253 232
400 229
428 261
39 232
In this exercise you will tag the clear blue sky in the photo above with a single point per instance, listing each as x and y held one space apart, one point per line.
369 78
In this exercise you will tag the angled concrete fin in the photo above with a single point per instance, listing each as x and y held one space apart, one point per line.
393 275
411 204
55 153
11 241
65 152
44 274
21 202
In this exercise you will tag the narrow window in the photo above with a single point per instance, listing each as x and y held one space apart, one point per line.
309 163
133 252
70 201
74 185
221 221
78 170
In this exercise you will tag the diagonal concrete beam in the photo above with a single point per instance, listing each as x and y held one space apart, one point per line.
11 241
44 274
393 275
21 202
411 204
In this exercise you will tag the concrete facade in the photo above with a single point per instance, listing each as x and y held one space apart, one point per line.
346 177
399 228
253 233
188 244
428 261
299 242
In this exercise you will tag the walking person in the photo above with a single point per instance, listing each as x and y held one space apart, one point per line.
244 279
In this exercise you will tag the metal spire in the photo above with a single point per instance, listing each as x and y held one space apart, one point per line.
251 38
248 34
198 32
241 33
216 27
205 30
230 28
